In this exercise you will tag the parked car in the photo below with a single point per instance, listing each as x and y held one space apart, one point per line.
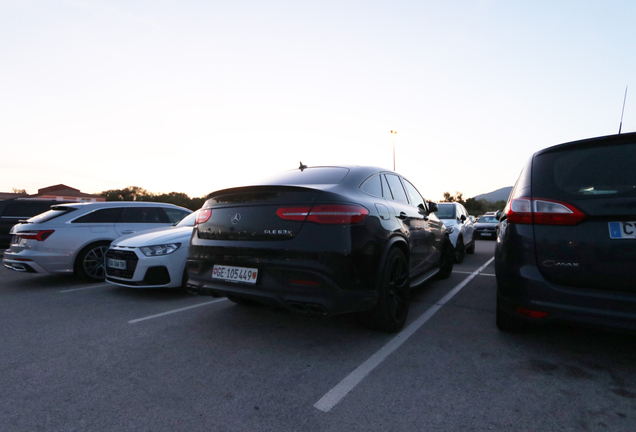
14 210
459 227
73 238
567 237
321 240
151 259
486 228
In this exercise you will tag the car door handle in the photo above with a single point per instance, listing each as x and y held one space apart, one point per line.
127 232
402 216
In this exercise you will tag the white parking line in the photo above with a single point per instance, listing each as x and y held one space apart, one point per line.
336 394
175 311
85 288
480 274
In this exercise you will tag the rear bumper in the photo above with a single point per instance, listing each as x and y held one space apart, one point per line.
38 262
528 289
297 285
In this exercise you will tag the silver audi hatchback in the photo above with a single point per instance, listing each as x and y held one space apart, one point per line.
74 238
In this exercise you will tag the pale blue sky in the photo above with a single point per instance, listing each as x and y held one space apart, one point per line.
193 96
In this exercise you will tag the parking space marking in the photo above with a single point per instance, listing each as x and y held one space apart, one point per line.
480 274
175 311
85 288
336 394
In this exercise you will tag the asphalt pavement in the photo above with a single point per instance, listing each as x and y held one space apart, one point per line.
98 357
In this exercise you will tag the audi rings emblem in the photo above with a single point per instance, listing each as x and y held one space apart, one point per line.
236 218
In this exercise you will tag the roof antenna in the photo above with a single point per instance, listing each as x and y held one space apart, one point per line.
302 167
622 112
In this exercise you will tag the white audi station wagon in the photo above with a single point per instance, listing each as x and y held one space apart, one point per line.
74 238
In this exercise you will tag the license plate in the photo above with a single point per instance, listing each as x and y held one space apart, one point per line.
235 274
117 264
622 230
486 234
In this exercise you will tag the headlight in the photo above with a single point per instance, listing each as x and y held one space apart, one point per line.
165 249
450 229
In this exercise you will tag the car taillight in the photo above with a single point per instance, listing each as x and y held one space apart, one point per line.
325 213
35 235
543 212
203 216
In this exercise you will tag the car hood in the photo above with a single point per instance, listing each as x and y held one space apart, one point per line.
156 237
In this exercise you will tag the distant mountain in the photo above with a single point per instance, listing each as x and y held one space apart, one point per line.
494 196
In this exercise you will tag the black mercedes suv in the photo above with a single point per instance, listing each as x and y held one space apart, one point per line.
321 240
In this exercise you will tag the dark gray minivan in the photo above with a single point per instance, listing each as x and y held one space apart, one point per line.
566 247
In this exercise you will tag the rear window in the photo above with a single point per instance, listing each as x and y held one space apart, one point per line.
51 214
317 175
586 173
446 211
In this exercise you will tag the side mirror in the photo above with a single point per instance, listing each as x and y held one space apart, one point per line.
462 218
432 207
498 215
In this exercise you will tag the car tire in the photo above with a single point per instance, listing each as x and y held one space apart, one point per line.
90 264
509 323
460 251
242 300
471 249
392 308
447 260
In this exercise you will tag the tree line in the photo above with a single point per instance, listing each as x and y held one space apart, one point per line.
136 193
473 206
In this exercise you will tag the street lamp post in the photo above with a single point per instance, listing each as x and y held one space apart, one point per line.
393 133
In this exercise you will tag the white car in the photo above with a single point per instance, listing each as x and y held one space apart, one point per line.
73 238
459 227
152 259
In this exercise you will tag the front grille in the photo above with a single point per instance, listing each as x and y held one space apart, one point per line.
131 263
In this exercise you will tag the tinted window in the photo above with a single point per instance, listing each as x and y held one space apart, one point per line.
175 215
318 175
373 186
446 211
396 188
142 215
25 208
586 173
107 215
51 214
414 196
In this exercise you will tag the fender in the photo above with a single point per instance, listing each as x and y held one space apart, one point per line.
393 241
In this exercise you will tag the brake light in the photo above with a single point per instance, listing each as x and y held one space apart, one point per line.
542 212
325 213
519 211
35 235
532 313
203 216
556 213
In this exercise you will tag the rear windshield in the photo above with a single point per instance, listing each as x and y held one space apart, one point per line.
586 173
51 214
317 175
446 211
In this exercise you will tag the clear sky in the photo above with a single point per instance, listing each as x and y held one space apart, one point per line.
194 96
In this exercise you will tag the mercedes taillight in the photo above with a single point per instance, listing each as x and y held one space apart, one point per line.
325 213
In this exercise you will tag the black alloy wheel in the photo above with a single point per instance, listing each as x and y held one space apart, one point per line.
460 251
390 313
91 262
